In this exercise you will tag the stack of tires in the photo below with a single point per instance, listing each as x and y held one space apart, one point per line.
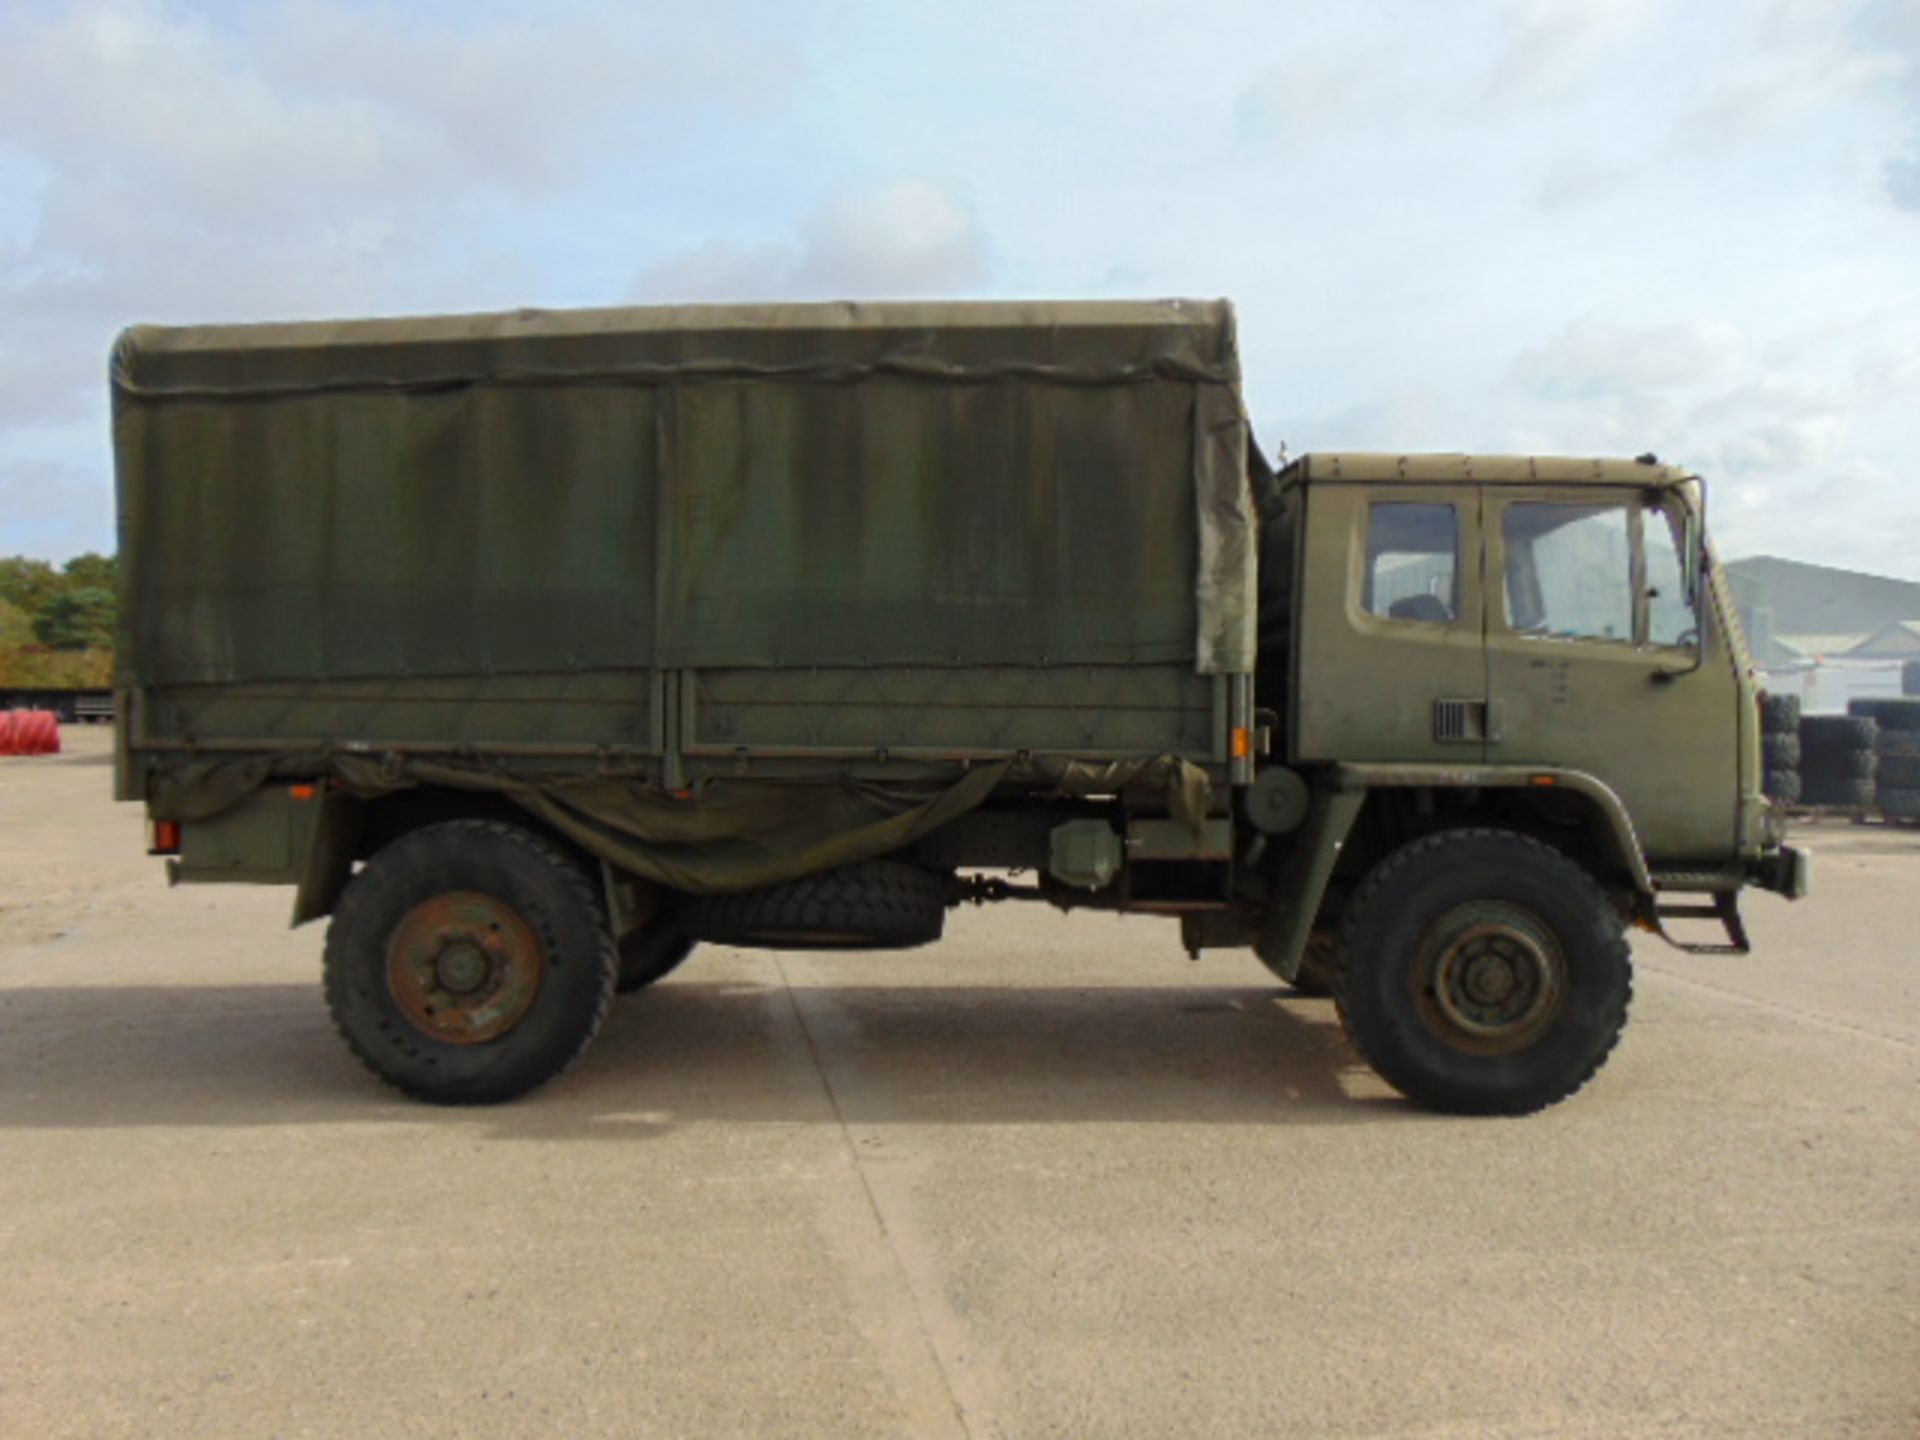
1837 762
1896 792
1780 747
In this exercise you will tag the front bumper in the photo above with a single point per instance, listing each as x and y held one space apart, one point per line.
1786 871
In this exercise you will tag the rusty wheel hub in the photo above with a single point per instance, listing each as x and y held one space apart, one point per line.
464 968
1491 979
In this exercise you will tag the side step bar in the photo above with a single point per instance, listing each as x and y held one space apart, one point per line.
1725 908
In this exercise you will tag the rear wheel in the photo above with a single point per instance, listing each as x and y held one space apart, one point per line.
468 963
1483 973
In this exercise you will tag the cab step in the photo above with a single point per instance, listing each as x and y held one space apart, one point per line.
1723 906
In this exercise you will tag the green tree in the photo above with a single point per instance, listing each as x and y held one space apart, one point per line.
16 627
80 619
28 584
22 662
92 571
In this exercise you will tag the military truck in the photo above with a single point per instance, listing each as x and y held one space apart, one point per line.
537 649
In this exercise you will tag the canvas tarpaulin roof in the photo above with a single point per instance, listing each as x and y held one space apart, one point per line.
938 484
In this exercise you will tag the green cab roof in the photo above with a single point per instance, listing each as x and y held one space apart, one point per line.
1364 467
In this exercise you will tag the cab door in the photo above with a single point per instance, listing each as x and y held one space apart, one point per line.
1391 661
1591 657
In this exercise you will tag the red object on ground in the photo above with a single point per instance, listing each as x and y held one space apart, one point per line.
48 725
29 732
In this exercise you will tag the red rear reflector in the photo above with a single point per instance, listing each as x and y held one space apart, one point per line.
165 838
302 792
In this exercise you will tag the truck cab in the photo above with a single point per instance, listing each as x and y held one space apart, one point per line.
1558 619
1518 692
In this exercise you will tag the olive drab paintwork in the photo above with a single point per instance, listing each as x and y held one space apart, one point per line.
883 547
727 595
647 620
596 492
1656 717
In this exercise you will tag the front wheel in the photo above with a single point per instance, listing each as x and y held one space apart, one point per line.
1483 973
469 962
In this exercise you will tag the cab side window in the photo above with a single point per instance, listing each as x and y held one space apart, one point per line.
1413 562
1570 571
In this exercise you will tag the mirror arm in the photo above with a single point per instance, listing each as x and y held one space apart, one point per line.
1702 567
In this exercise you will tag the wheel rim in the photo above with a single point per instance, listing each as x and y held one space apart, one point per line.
1490 978
464 968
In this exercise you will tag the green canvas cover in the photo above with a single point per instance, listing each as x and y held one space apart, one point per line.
786 485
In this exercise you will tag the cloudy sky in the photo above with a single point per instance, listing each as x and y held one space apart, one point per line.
1582 226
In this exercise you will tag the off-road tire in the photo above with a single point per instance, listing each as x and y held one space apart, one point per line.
874 905
1837 766
1899 801
1898 742
1782 785
542 888
1437 884
1780 752
1836 794
1779 714
1892 714
1819 733
651 953
1898 772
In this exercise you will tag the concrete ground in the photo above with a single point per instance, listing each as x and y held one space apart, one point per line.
1047 1179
